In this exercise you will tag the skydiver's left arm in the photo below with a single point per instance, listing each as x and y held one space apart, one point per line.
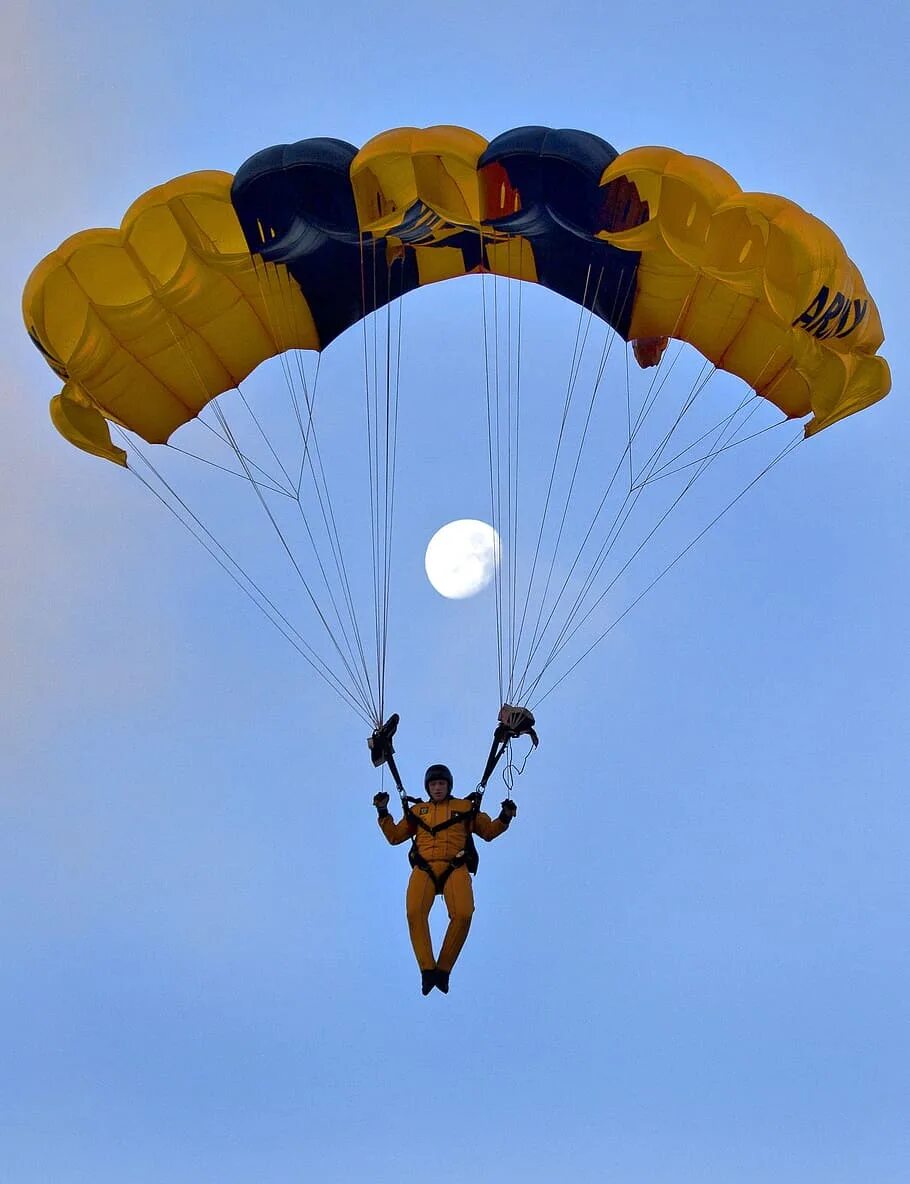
491 828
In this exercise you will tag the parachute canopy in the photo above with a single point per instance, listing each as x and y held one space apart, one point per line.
209 275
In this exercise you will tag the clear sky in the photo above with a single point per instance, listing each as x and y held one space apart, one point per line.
689 961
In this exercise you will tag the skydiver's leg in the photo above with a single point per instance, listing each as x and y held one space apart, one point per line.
459 898
418 902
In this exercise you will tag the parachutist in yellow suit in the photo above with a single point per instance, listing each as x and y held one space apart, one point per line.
442 858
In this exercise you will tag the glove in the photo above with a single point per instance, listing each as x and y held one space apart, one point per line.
381 802
508 811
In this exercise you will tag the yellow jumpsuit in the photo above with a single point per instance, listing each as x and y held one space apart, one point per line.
439 849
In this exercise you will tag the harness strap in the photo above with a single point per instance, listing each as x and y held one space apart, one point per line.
452 820
465 857
417 861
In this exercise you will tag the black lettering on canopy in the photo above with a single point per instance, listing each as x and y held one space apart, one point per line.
835 319
859 309
834 309
814 311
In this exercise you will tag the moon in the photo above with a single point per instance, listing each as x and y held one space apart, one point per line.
462 557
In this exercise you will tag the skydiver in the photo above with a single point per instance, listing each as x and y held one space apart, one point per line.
442 857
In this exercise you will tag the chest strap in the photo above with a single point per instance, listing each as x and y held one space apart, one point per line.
452 820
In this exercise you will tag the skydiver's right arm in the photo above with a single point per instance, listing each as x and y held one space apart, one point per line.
395 832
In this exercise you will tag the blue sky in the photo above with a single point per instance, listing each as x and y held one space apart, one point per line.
689 960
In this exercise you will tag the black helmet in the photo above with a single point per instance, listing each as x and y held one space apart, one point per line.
438 773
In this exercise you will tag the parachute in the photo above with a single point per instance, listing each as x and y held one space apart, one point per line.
209 275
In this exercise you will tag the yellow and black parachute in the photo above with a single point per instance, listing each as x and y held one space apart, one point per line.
210 274
308 238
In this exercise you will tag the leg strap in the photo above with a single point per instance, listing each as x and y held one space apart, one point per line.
439 882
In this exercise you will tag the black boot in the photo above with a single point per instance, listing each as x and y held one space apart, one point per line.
428 981
442 981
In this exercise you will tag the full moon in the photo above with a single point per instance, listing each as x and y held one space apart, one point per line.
462 557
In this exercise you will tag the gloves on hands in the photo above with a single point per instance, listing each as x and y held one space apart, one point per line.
381 802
